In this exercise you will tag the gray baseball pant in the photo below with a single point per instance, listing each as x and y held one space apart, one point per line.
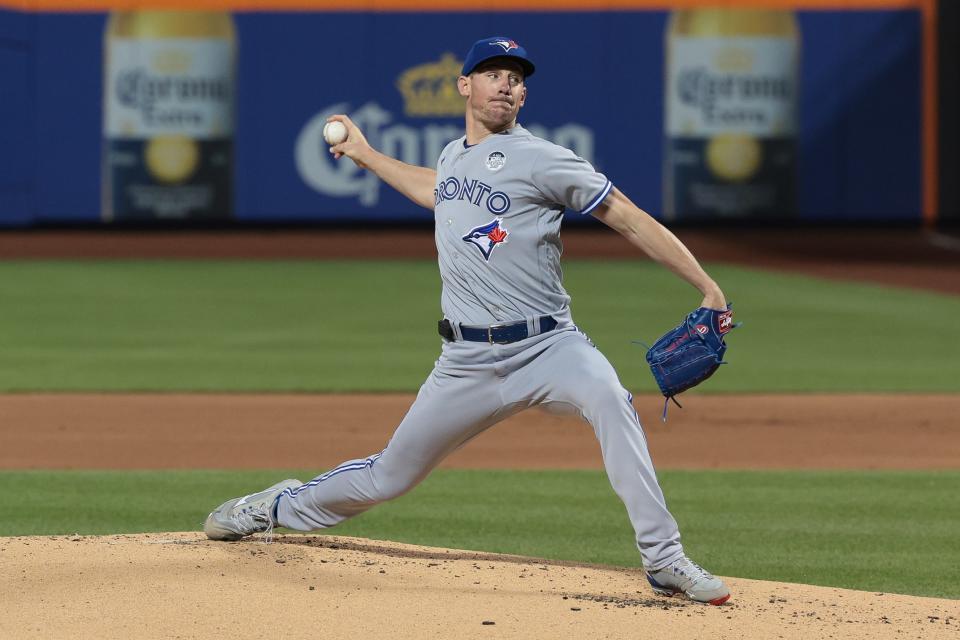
472 387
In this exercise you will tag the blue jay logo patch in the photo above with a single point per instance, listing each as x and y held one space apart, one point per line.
506 45
487 237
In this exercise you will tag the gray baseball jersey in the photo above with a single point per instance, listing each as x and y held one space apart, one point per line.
498 211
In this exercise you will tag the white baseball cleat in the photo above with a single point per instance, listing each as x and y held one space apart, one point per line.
244 516
686 577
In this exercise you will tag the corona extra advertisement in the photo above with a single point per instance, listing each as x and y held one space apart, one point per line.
213 112
168 115
732 93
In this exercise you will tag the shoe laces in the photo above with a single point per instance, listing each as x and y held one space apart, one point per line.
252 520
690 569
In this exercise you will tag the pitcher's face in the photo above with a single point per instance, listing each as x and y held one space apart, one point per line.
495 91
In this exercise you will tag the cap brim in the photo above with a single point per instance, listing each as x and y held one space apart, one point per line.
526 65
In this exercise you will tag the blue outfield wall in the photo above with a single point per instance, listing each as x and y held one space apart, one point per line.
17 118
598 89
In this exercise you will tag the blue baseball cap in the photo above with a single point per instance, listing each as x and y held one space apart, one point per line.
497 47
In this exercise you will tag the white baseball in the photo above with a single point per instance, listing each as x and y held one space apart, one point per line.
334 132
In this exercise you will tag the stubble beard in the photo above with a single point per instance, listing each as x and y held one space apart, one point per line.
495 118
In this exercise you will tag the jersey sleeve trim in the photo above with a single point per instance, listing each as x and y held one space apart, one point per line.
598 199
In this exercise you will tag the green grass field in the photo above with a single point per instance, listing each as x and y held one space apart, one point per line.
891 532
370 326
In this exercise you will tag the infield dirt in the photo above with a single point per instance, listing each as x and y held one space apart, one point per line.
195 431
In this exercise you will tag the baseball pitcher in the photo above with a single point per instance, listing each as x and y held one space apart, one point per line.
508 339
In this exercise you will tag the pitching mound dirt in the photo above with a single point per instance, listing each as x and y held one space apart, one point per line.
180 585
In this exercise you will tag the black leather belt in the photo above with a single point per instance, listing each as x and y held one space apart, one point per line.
496 333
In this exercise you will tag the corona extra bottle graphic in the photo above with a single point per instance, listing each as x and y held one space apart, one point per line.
168 115
731 114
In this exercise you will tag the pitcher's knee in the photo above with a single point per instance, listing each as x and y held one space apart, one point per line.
391 485
600 392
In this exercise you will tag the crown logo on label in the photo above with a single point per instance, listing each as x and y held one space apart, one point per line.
430 89
172 61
